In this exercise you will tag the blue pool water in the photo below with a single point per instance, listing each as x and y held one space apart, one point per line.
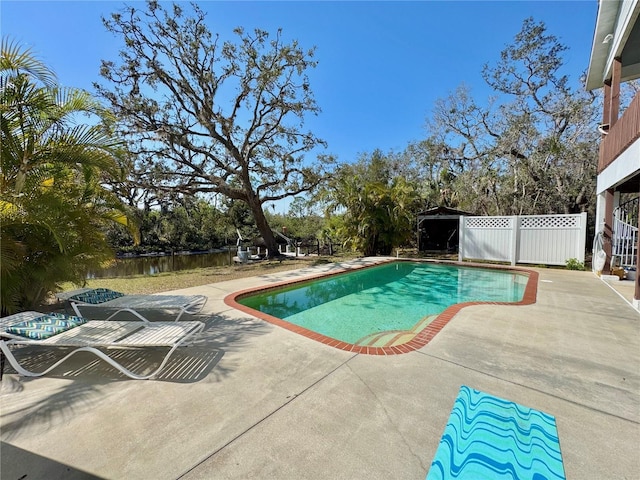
388 297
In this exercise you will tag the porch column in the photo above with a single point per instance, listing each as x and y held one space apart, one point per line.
606 103
607 231
614 94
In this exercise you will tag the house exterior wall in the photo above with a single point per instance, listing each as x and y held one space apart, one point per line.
622 168
614 60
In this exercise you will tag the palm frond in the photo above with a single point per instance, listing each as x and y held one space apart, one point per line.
16 59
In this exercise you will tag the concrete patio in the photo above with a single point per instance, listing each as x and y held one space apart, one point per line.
252 400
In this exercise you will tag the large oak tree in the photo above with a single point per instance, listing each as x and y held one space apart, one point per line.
213 116
533 147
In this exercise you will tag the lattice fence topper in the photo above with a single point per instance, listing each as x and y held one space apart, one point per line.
488 222
550 221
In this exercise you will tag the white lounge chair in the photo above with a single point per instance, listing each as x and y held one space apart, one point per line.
46 331
102 299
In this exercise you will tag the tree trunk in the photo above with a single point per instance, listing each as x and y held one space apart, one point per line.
264 229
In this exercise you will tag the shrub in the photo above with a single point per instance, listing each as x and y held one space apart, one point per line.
574 264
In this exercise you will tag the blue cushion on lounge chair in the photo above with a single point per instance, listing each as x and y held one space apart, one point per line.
46 326
97 295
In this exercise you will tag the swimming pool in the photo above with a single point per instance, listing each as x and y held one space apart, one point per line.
390 308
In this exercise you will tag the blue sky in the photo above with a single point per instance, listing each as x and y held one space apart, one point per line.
381 64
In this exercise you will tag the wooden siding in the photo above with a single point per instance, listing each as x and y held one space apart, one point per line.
625 131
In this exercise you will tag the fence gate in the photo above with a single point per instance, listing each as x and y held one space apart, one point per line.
534 239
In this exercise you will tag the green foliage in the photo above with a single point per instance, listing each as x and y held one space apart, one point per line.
195 225
302 223
240 218
190 225
379 209
52 203
574 264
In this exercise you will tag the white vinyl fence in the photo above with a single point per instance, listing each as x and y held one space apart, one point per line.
537 239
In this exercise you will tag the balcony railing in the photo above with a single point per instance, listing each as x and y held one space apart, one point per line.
625 131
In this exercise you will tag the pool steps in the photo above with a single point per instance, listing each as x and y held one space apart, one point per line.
392 338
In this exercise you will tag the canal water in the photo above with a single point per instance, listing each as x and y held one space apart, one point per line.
153 264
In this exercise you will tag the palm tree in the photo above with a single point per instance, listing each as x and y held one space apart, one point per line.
52 201
379 211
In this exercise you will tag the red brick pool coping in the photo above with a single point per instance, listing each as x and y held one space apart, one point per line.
419 341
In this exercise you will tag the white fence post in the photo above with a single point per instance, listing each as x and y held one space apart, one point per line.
515 239
583 235
461 239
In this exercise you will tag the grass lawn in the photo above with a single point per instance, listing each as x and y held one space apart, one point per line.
163 282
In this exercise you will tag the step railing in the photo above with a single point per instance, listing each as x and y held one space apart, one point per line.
624 244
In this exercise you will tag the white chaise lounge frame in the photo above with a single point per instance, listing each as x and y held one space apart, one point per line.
102 334
191 304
